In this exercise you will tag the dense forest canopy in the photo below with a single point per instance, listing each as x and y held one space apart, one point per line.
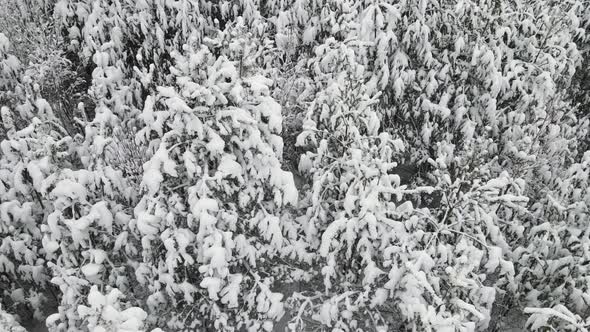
310 165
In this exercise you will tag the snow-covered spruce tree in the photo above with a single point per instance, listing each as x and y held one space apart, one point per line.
30 153
60 211
86 230
210 220
60 196
63 197
386 264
